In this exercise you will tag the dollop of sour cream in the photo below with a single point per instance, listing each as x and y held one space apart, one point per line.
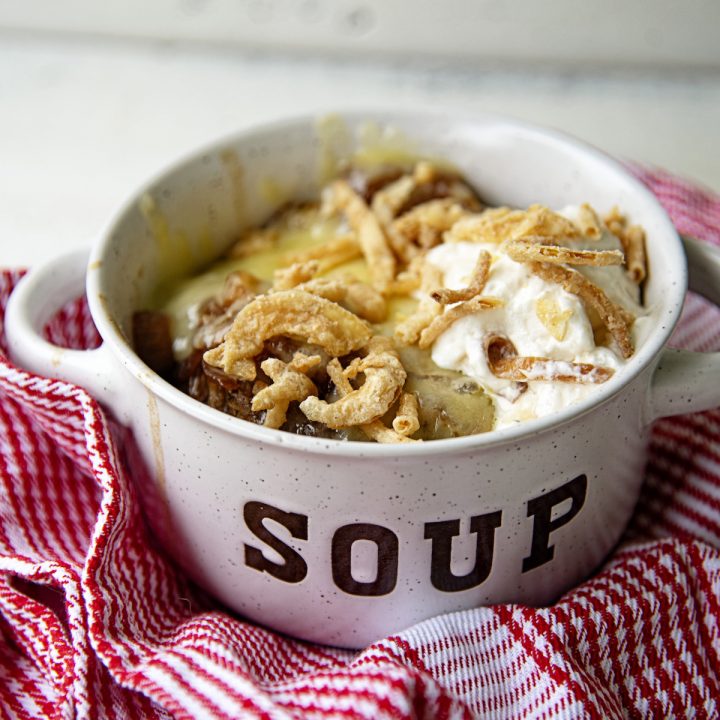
540 318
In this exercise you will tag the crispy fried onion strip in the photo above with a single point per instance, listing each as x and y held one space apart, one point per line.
613 316
358 297
505 363
633 241
406 420
410 230
501 224
384 379
370 235
328 255
425 224
290 383
445 296
540 220
388 202
492 225
542 249
385 205
375 430
216 315
293 313
441 323
408 279
292 276
588 222
408 331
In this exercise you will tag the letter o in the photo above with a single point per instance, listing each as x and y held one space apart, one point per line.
387 563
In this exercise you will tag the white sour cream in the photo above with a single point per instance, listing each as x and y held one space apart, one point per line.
461 346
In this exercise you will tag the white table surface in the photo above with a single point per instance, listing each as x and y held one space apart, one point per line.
84 122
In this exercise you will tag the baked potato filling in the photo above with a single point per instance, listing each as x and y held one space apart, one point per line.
325 320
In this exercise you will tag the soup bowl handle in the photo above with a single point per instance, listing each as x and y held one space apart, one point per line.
34 301
684 381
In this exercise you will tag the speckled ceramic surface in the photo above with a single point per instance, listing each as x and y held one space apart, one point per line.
343 543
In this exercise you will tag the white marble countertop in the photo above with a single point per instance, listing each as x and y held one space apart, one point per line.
83 122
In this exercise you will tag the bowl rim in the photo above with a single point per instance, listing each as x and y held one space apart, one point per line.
643 358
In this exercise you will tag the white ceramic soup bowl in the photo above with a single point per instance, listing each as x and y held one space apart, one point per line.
344 543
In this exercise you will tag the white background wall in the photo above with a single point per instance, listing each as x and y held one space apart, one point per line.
95 97
601 32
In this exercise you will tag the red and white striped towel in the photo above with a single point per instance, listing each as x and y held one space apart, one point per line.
96 623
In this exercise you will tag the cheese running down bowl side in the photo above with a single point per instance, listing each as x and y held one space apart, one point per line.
344 542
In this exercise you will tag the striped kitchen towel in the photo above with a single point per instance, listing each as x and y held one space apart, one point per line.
95 622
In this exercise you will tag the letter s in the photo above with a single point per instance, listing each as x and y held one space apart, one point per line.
294 569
